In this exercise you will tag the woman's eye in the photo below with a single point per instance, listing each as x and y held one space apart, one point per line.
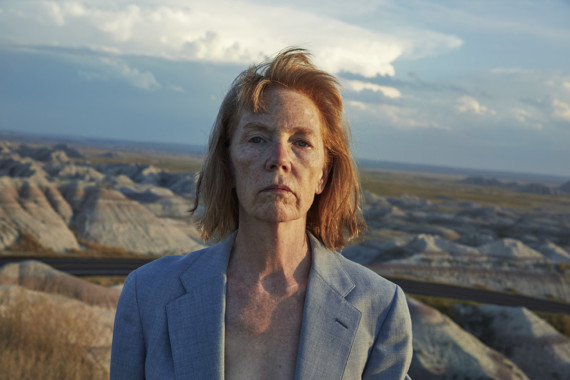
302 144
256 140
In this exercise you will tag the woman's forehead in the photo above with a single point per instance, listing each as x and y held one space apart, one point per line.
282 106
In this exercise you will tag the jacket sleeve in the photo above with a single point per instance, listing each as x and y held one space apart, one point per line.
391 354
128 348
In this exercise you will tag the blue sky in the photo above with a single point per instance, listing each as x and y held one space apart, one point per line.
477 84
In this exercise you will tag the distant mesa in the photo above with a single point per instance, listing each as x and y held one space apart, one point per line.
59 152
532 188
109 155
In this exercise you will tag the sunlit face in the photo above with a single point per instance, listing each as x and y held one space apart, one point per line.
278 158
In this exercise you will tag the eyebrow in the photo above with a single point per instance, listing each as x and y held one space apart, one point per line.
253 126
256 127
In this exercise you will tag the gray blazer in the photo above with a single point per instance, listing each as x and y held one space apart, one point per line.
170 320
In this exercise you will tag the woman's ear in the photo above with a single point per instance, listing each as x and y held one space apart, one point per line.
324 178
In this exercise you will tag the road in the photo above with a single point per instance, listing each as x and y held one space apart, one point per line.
122 267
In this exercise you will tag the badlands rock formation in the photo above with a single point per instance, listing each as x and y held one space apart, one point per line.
24 208
531 343
34 275
60 201
469 244
442 350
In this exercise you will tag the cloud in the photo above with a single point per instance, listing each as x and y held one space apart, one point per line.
356 104
561 110
387 116
521 115
406 118
468 104
525 118
56 13
123 24
358 86
219 31
142 80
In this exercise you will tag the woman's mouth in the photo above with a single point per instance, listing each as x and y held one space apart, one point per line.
277 189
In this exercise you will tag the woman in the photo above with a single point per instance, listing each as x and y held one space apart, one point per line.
271 300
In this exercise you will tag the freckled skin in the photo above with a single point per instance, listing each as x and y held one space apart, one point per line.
278 163
282 146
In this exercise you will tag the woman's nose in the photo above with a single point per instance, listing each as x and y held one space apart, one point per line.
278 158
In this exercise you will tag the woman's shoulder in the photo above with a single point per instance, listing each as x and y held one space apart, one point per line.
364 277
166 274
372 294
333 263
170 264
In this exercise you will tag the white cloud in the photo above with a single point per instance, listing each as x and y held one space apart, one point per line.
521 115
218 31
393 116
404 118
143 80
358 86
468 104
56 13
526 119
123 24
356 104
561 110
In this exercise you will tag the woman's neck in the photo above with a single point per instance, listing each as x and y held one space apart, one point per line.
262 249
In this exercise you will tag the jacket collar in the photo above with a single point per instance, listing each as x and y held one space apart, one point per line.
329 320
196 320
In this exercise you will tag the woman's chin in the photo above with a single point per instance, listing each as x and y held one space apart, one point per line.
278 214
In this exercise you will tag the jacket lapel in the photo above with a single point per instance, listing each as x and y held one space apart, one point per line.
330 322
196 319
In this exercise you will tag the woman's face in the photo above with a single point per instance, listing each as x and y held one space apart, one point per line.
278 159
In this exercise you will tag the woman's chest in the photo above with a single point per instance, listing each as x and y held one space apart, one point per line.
262 335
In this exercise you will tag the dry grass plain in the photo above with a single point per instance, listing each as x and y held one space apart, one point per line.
35 342
438 188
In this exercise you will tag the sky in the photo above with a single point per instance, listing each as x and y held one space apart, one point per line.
475 84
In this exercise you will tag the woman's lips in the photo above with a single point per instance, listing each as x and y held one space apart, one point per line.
277 188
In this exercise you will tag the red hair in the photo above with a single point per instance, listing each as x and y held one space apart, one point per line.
335 214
